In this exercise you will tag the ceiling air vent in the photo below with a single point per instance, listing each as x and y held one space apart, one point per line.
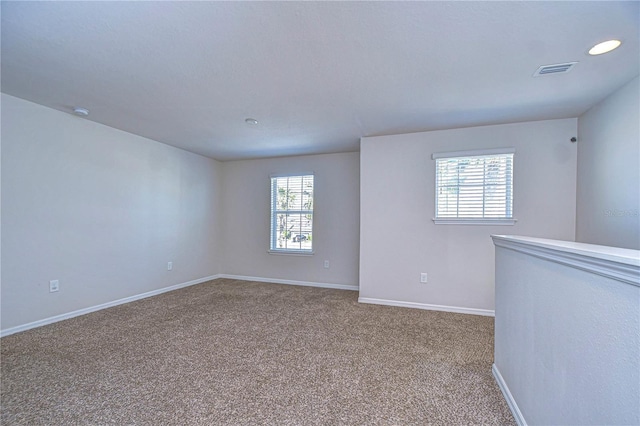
554 69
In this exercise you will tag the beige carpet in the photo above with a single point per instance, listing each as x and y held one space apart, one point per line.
246 353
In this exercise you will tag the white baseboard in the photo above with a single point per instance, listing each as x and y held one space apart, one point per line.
291 282
517 415
90 309
428 307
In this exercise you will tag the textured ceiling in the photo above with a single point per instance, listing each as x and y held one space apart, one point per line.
317 75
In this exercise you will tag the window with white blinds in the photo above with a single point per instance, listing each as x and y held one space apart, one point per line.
292 214
475 187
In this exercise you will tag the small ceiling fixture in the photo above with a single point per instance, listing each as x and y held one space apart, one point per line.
604 47
251 121
83 112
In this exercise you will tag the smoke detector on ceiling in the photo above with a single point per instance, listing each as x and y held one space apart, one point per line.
554 69
82 112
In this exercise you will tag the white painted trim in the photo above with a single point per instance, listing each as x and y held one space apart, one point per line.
513 406
290 282
291 252
428 307
474 153
482 221
90 309
287 174
611 262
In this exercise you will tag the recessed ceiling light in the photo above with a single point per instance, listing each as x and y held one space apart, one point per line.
604 47
83 112
251 121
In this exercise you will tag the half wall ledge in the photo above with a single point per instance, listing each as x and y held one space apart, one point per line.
611 262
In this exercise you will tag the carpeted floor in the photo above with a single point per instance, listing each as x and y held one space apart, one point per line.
246 353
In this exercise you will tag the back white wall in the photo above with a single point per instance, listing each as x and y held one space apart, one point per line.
100 210
609 170
398 239
246 211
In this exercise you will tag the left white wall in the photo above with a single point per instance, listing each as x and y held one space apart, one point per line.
100 210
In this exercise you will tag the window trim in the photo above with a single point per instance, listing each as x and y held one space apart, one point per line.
289 251
474 153
292 252
481 220
473 221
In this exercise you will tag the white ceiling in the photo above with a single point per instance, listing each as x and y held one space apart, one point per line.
317 75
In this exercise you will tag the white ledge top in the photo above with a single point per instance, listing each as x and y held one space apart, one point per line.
612 254
613 262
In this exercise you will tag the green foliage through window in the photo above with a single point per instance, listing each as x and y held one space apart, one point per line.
475 187
292 213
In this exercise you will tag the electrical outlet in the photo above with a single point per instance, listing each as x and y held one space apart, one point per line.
169 266
326 264
54 285
423 277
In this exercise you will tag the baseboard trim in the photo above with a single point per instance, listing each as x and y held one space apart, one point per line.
95 308
290 282
513 406
428 307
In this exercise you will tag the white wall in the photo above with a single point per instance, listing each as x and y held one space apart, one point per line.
398 239
246 211
101 210
567 340
608 192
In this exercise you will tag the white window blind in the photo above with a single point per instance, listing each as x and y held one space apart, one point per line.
292 214
476 185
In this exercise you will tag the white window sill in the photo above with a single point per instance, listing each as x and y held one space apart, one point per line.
291 252
454 221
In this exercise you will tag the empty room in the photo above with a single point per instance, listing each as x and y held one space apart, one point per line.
320 213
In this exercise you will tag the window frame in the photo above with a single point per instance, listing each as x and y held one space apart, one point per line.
480 220
273 212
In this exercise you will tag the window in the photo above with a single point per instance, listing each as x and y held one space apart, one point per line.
292 214
475 187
